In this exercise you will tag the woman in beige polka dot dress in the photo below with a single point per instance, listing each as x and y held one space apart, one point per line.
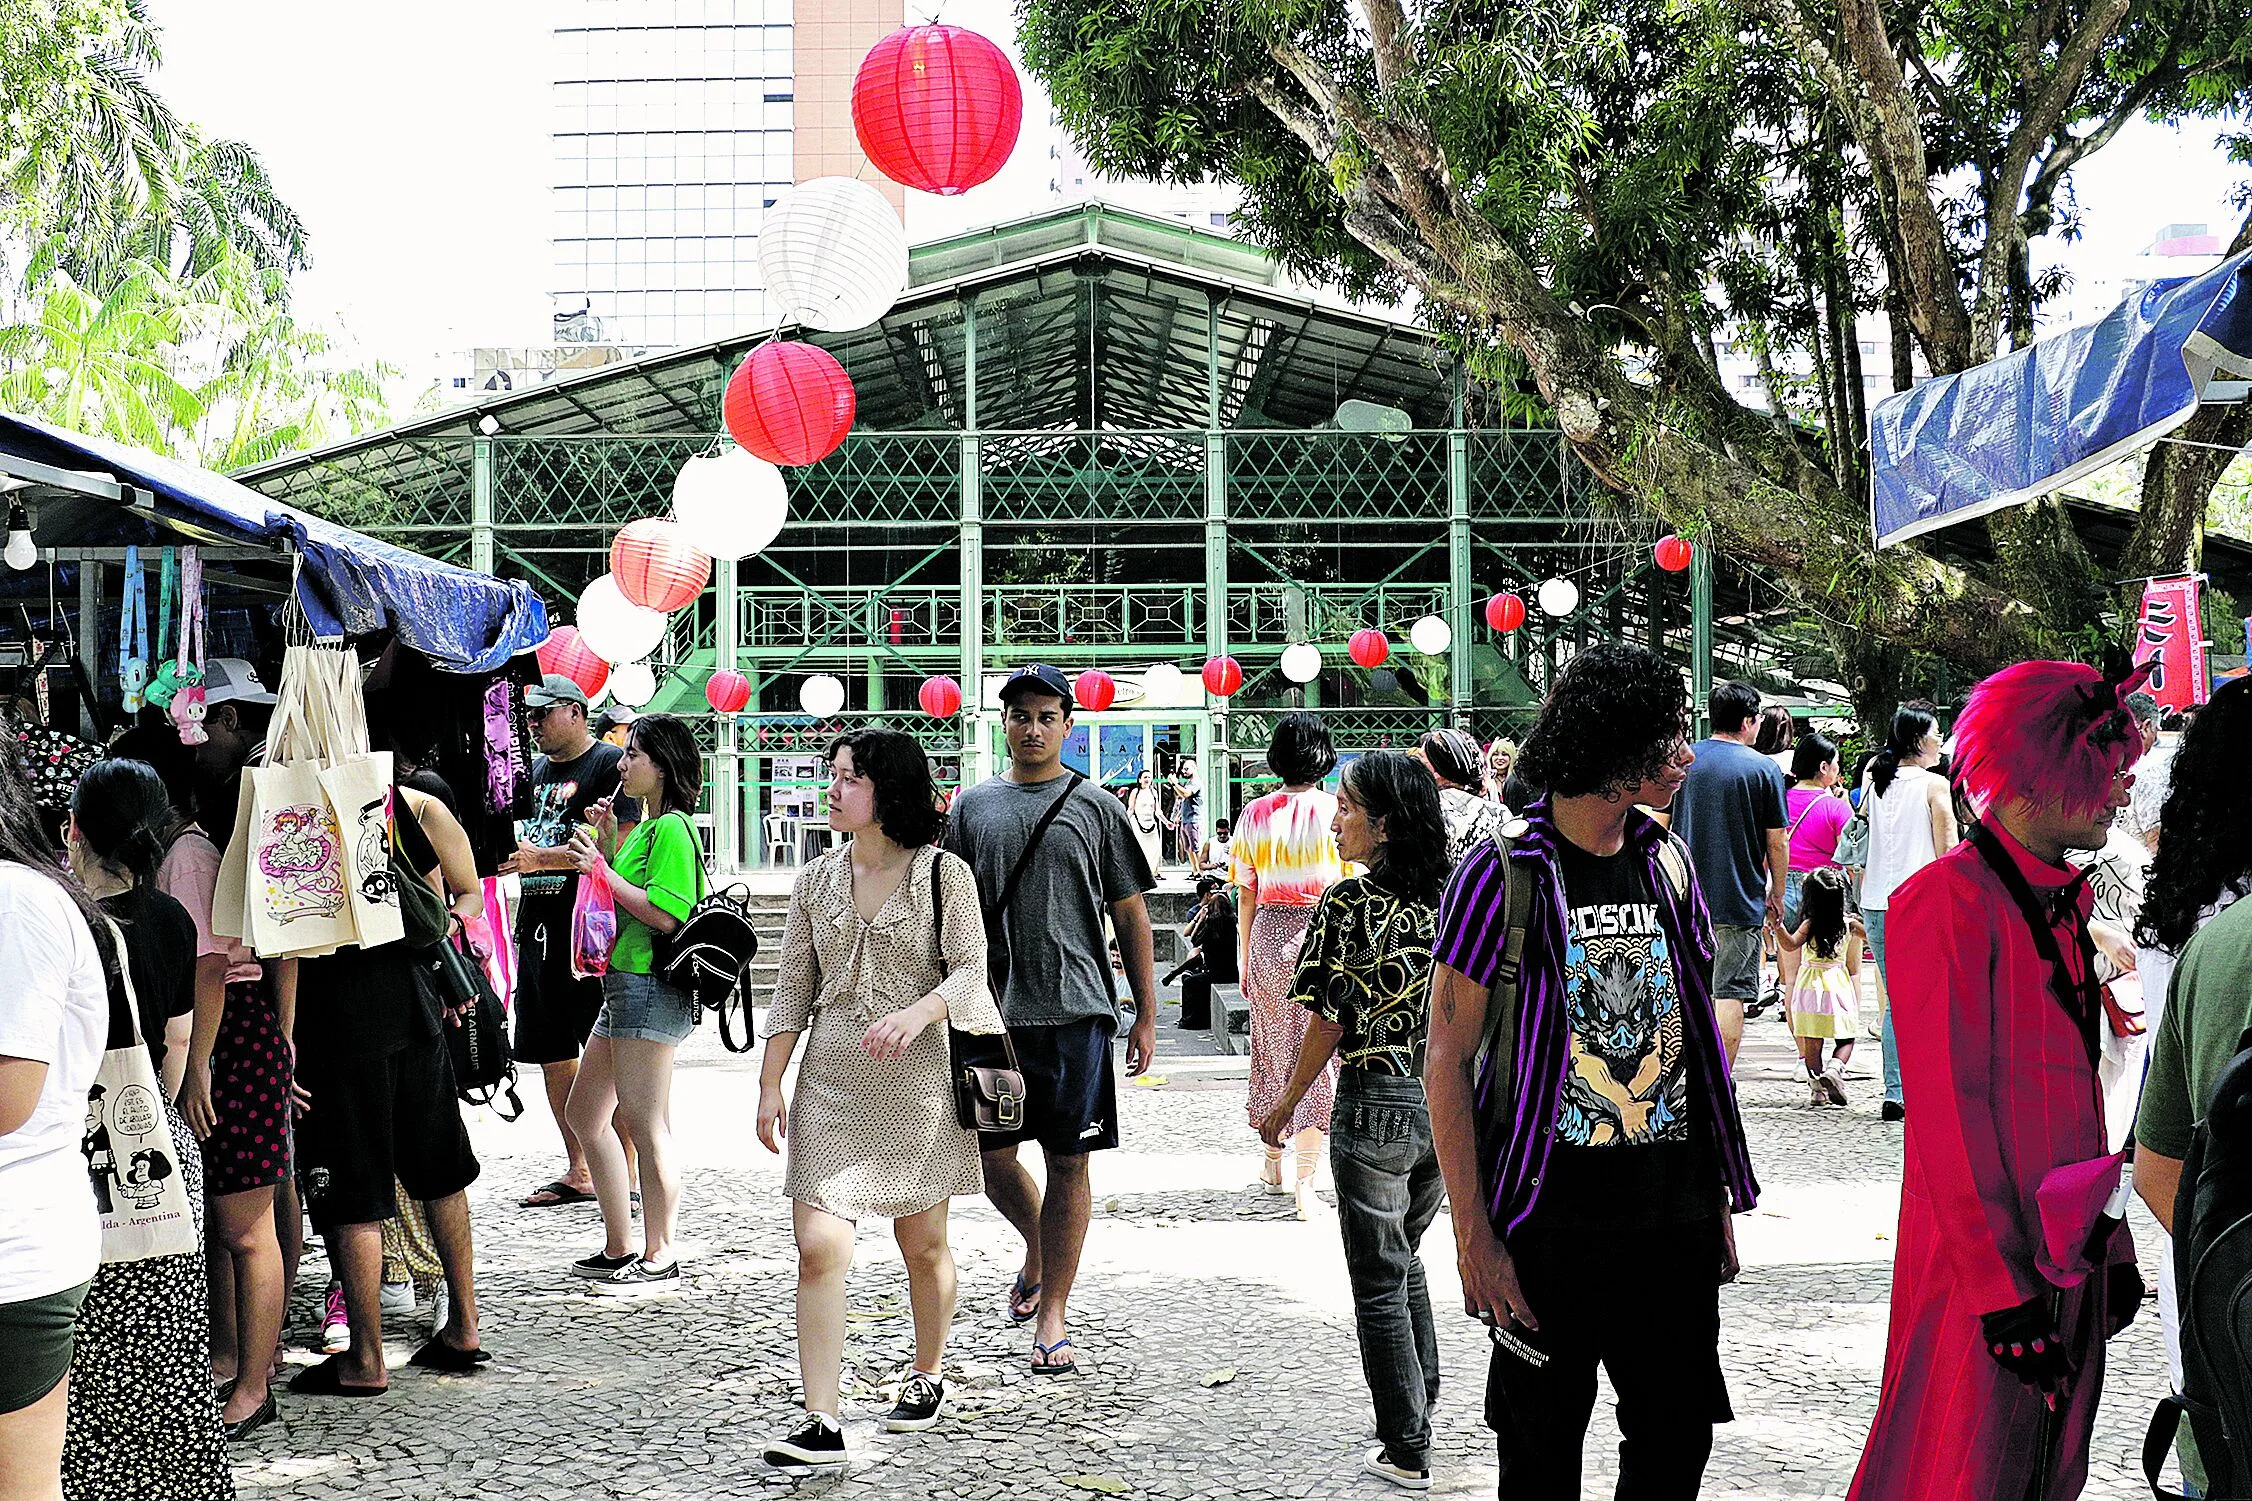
884 947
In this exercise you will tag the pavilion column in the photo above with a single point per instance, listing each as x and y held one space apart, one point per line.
1460 680
481 503
1700 634
727 773
1217 773
971 614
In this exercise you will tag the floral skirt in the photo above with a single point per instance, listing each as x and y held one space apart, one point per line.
1277 1026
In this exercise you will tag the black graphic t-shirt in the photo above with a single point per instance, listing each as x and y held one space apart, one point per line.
562 791
1627 1151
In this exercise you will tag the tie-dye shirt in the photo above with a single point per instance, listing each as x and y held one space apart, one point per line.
1284 847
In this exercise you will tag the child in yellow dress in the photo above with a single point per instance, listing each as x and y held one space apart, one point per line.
1825 999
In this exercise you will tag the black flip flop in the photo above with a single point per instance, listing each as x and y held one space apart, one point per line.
326 1380
437 1355
1018 1292
557 1192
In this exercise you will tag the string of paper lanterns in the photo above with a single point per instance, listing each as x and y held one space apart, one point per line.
1505 612
1222 676
822 695
566 653
834 254
1094 690
633 684
656 567
727 691
617 629
937 108
1301 662
1369 648
940 697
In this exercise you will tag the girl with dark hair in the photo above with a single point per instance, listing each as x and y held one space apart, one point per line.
1459 768
54 1024
656 877
883 950
1777 732
141 1414
1825 994
1813 816
1911 813
1284 856
1364 981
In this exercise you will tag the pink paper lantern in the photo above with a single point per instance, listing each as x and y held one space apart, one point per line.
1369 648
1222 676
1674 553
1095 690
937 108
1505 612
655 567
941 698
565 653
789 403
727 692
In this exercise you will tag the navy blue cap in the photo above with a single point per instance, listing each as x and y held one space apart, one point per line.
1040 677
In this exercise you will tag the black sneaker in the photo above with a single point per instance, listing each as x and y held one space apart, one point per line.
598 1266
1892 1110
816 1441
920 1398
1378 1461
638 1276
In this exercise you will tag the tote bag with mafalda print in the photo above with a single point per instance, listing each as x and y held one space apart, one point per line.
131 1158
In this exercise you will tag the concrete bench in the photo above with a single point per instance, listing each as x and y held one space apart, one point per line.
1228 1004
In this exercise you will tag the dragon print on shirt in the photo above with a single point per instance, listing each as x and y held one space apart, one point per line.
1626 1085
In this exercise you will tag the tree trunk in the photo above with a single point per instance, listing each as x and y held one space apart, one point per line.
2178 480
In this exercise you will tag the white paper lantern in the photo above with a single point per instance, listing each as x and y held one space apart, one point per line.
633 684
1558 596
821 696
834 254
1161 685
731 504
1301 663
614 627
1431 635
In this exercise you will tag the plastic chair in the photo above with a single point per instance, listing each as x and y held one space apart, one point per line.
781 839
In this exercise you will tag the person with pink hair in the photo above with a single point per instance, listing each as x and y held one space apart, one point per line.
2000 1312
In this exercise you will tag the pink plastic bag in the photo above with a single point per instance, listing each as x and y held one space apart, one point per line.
594 925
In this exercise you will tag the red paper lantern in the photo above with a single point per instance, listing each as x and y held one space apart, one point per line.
1222 676
727 691
1673 553
937 108
1094 690
655 567
1369 648
941 698
789 403
565 653
1505 612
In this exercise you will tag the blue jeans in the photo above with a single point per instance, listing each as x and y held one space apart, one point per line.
1388 1191
1874 922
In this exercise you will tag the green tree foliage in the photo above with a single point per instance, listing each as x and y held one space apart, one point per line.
1596 197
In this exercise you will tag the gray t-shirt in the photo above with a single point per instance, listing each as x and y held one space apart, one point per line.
1733 797
1059 958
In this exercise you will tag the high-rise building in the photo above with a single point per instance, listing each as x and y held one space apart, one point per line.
676 123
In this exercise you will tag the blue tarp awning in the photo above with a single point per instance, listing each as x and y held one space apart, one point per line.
2033 421
350 585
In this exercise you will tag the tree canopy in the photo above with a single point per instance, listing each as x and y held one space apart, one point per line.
1593 199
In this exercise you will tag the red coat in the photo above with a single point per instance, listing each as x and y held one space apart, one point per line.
1999 1090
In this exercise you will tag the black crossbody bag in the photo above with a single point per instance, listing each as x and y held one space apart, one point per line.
997 915
988 1082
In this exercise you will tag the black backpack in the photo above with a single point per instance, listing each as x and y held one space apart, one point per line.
710 955
2213 1282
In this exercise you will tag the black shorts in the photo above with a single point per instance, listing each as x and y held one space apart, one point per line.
555 1009
373 1119
1070 1088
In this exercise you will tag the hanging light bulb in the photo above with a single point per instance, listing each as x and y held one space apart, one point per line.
21 553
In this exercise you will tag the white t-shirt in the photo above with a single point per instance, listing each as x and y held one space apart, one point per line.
54 1009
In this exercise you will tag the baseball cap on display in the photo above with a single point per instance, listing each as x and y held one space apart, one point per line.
552 690
1038 677
231 680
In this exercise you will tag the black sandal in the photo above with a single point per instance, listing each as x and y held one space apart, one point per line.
1018 1294
437 1355
327 1380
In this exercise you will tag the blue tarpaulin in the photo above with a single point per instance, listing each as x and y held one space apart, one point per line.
2031 422
351 585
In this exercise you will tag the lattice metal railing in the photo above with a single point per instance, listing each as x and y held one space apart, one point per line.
1273 611
1093 476
773 618
1069 615
1337 476
889 478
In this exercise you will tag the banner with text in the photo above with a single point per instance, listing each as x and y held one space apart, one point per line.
2173 631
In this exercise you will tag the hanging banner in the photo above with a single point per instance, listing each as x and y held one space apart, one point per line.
2173 631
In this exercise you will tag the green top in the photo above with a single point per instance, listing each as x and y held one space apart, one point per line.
2208 1006
664 858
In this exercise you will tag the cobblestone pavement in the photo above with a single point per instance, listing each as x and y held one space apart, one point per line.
1214 1331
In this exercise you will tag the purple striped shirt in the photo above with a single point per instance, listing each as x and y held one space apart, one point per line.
1517 1131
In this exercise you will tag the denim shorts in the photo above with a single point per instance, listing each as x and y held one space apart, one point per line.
1793 885
646 1009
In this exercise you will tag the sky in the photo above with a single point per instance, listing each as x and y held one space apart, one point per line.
415 148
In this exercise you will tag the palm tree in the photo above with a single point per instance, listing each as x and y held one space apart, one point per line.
102 362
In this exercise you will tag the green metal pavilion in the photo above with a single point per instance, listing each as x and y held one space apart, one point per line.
1093 438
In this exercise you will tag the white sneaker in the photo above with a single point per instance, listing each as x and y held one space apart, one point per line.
1379 1462
397 1297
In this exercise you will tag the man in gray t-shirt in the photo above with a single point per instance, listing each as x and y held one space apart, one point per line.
1058 996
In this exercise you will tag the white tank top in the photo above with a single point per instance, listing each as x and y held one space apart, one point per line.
1899 836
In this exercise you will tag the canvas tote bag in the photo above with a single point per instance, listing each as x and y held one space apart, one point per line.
130 1155
295 878
360 796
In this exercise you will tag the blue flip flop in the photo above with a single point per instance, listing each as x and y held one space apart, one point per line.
1047 1365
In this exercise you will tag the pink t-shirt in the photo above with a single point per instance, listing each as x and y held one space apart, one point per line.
1814 837
190 876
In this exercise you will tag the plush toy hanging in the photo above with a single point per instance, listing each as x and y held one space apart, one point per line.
188 701
133 635
166 680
